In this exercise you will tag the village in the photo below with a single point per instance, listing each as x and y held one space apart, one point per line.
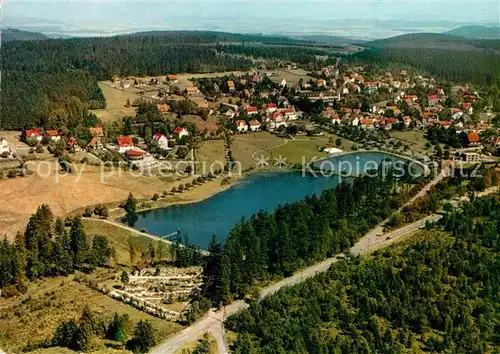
309 103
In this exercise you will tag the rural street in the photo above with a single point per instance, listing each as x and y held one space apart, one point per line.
212 322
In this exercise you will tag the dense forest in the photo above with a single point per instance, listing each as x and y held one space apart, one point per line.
437 293
298 234
481 67
48 248
51 77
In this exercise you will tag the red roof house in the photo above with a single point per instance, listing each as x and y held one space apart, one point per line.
473 138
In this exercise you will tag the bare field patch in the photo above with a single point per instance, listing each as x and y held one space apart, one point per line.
52 301
65 193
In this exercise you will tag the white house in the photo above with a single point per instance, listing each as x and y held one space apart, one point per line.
290 114
271 108
180 132
33 134
283 83
277 120
54 135
4 146
336 119
251 110
161 140
241 126
254 125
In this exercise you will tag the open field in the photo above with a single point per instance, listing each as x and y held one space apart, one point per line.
415 138
52 301
211 151
115 103
292 77
246 147
306 147
65 193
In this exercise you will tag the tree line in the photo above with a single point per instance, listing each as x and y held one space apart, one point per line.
48 248
277 243
43 81
438 293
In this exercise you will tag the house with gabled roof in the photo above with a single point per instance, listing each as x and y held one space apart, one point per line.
180 132
473 139
251 110
270 108
161 140
241 126
254 125
97 131
33 134
125 143
53 135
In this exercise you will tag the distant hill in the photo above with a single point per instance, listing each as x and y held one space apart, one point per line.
449 57
12 34
476 32
427 41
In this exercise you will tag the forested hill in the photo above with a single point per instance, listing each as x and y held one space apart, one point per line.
12 34
431 41
227 37
41 79
476 32
448 57
436 294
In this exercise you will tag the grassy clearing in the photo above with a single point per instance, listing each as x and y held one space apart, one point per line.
120 239
52 301
245 146
115 103
292 77
415 139
307 148
211 151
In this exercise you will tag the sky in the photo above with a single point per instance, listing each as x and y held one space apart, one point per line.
257 16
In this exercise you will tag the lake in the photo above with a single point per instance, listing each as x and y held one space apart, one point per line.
261 191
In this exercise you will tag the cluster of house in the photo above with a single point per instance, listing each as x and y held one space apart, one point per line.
71 143
124 144
125 83
135 152
269 116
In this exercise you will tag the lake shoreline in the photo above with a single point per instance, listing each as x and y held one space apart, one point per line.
196 194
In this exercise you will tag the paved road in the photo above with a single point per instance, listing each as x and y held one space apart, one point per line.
212 322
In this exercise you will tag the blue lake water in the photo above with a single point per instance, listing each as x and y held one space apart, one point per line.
221 212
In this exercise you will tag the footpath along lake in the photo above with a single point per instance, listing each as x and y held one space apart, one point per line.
261 191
